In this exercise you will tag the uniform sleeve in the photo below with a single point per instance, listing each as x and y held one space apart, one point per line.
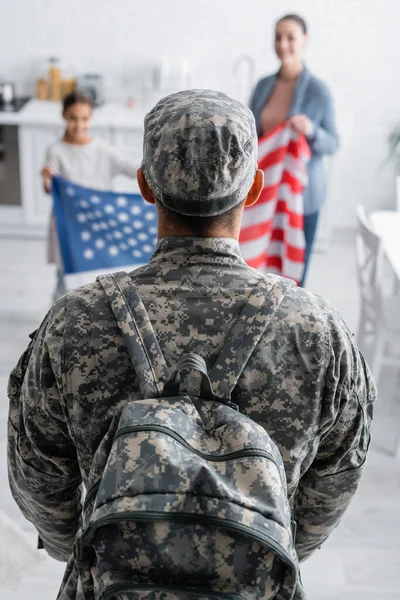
327 488
42 464
324 138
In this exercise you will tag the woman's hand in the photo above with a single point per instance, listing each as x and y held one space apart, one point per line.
301 124
47 174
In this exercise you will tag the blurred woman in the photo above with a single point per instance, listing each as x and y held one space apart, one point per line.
293 94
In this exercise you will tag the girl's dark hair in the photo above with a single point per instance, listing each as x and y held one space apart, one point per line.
297 19
76 98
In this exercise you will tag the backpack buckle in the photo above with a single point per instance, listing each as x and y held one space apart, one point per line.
233 405
82 553
78 548
294 530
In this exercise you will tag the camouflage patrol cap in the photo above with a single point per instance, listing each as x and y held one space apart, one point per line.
199 152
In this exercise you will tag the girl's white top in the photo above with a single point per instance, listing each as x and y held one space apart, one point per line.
92 165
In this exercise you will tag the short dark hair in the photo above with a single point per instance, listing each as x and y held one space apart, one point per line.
200 226
297 19
76 98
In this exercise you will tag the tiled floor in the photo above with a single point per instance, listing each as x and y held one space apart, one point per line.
361 560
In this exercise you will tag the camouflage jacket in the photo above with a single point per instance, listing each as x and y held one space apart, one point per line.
306 382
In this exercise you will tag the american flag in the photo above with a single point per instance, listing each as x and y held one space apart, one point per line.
101 232
272 235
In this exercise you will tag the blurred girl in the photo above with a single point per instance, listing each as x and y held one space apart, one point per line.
90 162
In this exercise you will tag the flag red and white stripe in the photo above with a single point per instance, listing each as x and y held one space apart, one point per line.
272 235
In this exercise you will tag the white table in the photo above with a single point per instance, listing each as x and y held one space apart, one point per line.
387 225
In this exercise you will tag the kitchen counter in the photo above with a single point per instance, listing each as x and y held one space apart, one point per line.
10 118
42 112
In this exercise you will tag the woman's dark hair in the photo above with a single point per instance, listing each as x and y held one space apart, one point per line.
297 19
76 98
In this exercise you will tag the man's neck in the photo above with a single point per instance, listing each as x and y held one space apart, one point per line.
164 230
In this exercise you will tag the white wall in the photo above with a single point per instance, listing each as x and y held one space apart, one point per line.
354 48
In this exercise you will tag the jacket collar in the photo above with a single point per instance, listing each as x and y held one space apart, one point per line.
301 86
227 247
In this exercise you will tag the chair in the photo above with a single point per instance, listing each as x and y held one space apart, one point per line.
379 321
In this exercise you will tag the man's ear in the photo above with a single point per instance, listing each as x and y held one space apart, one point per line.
144 187
255 189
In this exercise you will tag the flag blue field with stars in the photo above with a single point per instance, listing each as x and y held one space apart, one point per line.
101 232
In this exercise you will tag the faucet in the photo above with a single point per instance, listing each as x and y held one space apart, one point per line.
249 61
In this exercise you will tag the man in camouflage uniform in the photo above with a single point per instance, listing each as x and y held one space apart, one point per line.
306 383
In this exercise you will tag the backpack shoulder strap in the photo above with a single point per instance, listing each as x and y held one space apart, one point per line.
137 332
246 333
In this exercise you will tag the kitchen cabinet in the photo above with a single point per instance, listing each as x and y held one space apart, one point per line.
33 143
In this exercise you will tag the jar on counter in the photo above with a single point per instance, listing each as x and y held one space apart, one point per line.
42 91
68 81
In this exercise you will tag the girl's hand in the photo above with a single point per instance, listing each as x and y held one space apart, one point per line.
301 124
47 174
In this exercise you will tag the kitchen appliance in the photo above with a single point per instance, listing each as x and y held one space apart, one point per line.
15 105
10 191
7 92
92 85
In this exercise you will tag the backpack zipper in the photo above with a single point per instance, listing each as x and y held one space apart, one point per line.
209 457
150 516
183 442
115 588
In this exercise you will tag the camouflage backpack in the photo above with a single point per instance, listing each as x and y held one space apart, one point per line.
189 496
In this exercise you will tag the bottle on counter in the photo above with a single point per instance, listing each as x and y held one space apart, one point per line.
54 80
